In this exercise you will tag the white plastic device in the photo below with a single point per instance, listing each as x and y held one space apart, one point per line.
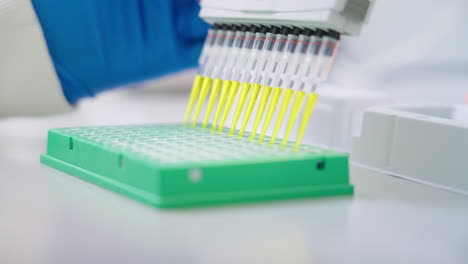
344 16
338 116
426 144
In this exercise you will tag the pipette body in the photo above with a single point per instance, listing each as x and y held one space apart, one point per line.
271 67
231 85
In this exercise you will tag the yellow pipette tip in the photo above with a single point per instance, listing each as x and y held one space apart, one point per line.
211 102
292 117
240 106
222 99
197 82
232 95
283 109
271 110
261 108
201 98
309 107
250 106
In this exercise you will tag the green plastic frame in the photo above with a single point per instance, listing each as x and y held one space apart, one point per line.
174 166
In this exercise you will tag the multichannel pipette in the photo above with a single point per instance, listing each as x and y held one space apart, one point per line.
260 61
269 62
240 56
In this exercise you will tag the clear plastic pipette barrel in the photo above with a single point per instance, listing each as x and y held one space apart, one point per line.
230 86
317 74
218 42
288 68
274 70
226 69
236 51
325 58
205 55
279 66
215 63
264 73
309 63
247 87
268 65
255 63
207 47
223 47
262 44
296 60
246 52
310 60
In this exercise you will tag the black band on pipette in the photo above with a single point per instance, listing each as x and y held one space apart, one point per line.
274 29
254 28
264 29
285 30
234 27
259 29
333 34
308 32
319 32
216 26
243 28
296 31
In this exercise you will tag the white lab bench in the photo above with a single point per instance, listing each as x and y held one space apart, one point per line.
47 216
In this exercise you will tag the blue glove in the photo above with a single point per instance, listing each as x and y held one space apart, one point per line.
96 45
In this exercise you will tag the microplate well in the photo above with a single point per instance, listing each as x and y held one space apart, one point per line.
176 166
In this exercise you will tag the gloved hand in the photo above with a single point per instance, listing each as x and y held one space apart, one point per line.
96 45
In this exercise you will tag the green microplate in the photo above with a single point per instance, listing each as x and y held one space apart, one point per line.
177 166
